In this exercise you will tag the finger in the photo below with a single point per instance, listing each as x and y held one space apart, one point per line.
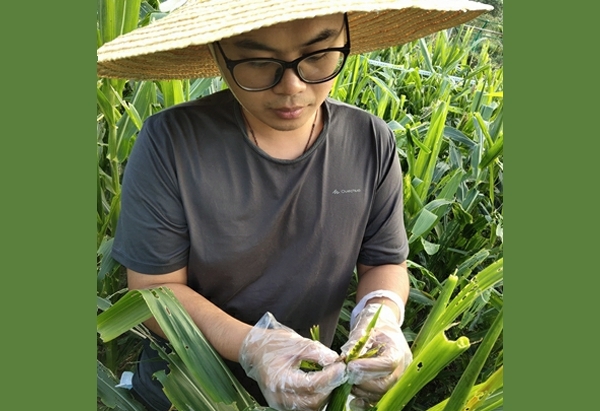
366 369
323 381
317 352
365 397
308 391
373 389
376 387
293 402
361 404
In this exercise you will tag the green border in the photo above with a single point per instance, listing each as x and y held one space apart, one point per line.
48 202
551 159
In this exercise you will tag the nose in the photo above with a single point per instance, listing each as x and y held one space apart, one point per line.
290 83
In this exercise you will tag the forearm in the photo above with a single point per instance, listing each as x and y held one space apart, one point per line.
224 332
392 277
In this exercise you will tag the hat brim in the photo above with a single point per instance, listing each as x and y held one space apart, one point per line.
175 47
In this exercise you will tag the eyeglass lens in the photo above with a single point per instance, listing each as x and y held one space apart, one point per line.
313 68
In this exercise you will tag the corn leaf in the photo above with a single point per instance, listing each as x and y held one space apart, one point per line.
425 164
429 328
485 279
462 393
446 311
424 223
180 388
339 397
172 92
486 396
203 366
118 398
425 366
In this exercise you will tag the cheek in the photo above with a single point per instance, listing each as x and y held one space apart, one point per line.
322 90
253 102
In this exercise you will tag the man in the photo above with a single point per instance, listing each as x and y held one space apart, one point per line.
256 204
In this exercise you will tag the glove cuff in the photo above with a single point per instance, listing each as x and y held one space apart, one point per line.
374 294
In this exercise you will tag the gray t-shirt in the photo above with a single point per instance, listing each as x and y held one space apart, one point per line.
257 233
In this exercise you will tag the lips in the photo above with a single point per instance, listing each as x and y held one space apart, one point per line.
289 113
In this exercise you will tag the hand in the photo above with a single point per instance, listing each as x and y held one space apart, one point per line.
271 355
372 377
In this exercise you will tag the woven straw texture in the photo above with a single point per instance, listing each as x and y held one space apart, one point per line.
174 47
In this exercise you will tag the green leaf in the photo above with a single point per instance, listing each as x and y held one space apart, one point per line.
116 17
424 222
196 358
466 268
339 397
172 92
179 386
125 314
426 162
432 324
143 100
426 55
458 136
107 263
487 396
102 303
425 366
446 311
485 279
112 396
493 152
430 248
417 296
463 392
110 113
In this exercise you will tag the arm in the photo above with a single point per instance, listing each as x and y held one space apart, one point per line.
269 352
224 332
372 377
392 277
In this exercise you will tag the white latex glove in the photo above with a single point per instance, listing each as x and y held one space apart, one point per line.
271 355
373 377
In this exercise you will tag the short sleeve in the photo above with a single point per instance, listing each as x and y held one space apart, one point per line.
152 234
385 240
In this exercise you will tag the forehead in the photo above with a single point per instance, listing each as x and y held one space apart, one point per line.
293 33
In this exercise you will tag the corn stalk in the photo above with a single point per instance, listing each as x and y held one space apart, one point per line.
445 311
424 368
432 351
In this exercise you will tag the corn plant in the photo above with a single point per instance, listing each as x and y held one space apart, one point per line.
199 380
448 119
198 377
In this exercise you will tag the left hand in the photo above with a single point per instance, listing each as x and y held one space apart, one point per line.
271 354
373 377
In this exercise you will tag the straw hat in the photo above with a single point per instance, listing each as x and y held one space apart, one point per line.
175 47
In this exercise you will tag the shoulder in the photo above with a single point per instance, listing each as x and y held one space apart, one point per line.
348 111
348 117
347 120
209 107
179 125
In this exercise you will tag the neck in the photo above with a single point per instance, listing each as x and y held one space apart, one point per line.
283 144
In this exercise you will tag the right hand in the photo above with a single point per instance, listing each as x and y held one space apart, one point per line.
271 355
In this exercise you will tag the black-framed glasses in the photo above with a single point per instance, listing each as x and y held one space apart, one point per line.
259 74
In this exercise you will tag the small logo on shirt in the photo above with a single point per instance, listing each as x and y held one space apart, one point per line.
351 191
